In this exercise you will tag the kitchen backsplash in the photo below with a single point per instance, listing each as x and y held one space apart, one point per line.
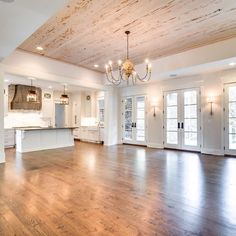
23 119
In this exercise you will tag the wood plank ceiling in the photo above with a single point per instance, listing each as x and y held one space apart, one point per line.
88 32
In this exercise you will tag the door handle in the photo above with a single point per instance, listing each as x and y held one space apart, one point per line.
182 125
178 125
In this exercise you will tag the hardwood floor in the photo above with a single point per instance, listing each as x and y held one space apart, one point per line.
120 190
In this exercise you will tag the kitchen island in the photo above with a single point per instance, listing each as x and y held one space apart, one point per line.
42 138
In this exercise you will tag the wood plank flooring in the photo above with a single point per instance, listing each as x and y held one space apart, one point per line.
120 190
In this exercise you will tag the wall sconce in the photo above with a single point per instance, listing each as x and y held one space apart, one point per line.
154 106
211 100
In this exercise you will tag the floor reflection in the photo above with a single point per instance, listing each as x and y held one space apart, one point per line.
228 197
140 162
193 182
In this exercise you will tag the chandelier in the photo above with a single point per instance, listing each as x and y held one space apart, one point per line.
126 70
31 95
64 99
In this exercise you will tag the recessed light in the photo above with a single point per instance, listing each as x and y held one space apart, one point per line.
50 87
6 80
39 48
96 66
7 1
232 64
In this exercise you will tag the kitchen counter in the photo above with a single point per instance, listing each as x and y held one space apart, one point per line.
30 139
42 128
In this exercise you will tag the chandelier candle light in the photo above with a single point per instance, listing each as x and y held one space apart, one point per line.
126 70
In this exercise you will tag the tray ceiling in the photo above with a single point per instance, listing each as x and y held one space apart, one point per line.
89 32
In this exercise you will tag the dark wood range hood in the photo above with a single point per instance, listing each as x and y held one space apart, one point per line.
17 94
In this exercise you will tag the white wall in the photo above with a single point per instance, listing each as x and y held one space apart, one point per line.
28 64
2 153
213 57
212 126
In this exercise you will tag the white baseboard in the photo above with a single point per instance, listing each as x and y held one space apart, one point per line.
155 145
211 151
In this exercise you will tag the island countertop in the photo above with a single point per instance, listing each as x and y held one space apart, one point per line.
42 128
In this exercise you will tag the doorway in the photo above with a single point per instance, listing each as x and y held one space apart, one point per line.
230 119
134 120
182 119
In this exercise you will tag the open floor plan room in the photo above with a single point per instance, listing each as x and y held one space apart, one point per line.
118 117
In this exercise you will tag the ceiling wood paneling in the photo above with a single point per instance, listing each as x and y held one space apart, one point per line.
89 32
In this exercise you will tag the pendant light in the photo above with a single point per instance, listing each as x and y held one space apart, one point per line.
31 96
64 99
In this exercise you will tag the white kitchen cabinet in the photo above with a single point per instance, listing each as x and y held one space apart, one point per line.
9 138
76 133
89 133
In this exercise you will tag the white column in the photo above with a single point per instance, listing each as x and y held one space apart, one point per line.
2 153
111 116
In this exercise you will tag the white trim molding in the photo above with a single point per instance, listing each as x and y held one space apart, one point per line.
155 145
211 151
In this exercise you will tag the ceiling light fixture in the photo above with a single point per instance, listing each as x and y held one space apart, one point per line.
96 66
32 95
39 48
232 64
64 99
126 70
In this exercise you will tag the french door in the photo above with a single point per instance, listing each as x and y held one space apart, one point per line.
134 120
182 119
230 119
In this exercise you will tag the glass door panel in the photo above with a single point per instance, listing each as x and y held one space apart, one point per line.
128 115
190 118
172 119
230 131
140 119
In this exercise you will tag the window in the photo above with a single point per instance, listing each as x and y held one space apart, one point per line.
101 110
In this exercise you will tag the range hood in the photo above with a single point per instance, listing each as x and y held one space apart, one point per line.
18 97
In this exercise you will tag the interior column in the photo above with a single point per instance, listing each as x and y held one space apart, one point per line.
111 116
2 153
